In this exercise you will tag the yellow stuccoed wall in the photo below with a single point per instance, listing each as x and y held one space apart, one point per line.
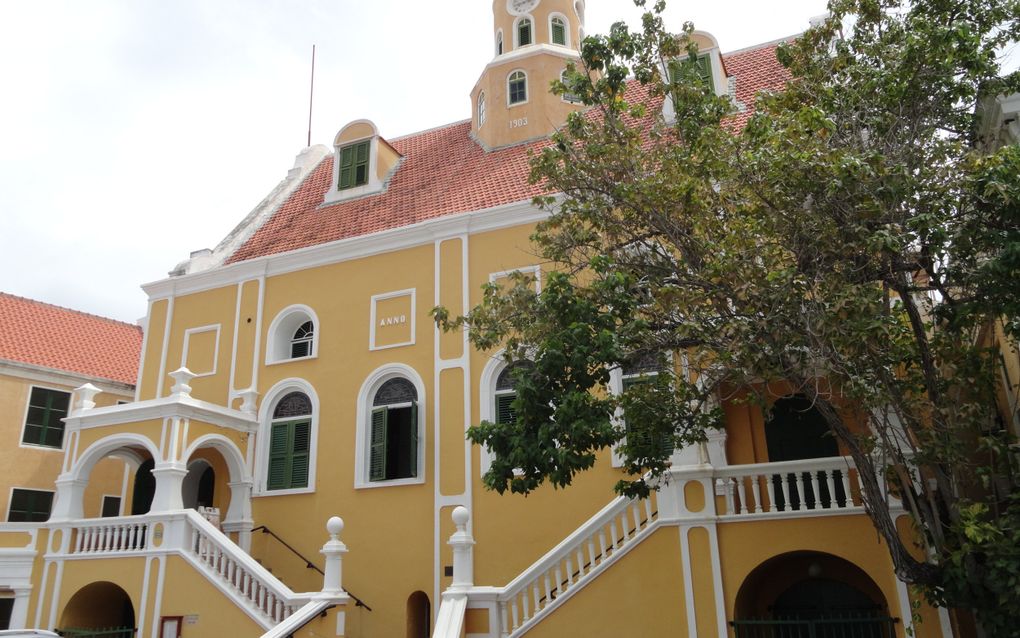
37 467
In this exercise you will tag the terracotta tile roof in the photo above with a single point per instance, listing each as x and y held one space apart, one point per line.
44 335
444 172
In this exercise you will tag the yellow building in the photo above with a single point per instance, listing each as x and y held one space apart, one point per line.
293 373
45 353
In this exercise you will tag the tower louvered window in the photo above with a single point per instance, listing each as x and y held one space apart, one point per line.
559 31
301 343
290 443
393 437
524 32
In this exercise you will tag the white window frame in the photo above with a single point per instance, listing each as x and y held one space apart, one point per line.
24 419
366 395
500 43
374 184
534 36
281 331
567 42
480 110
216 348
373 317
616 378
262 440
102 503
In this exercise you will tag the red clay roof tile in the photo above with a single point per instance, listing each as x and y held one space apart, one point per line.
444 172
44 335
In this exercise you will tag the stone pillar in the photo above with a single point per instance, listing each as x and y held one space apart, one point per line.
238 518
463 550
334 550
169 483
68 503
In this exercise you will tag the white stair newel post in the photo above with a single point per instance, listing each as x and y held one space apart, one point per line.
463 550
86 395
333 550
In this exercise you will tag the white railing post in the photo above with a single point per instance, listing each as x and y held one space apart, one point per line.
333 550
463 549
86 395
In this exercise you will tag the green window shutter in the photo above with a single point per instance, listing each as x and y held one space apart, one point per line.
524 33
29 506
361 163
704 67
559 32
505 409
346 168
279 456
377 446
412 448
43 425
638 434
301 450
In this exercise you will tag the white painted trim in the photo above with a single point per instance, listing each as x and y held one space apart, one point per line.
166 345
141 353
685 565
262 441
499 43
373 316
374 184
171 406
24 419
232 456
282 328
10 498
567 42
487 402
102 503
527 89
367 392
157 606
480 107
187 345
422 233
535 270
516 33
69 380
233 346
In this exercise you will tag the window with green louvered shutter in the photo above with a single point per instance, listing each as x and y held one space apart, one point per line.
505 408
635 433
559 31
703 66
377 446
412 448
353 165
289 451
43 424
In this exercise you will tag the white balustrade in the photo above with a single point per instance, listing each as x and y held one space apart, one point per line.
791 487
104 536
621 524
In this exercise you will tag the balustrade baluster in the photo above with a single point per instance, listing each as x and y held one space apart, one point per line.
612 533
515 612
756 491
728 490
624 527
770 489
559 580
816 493
504 621
849 499
742 493
79 540
591 552
537 594
799 480
833 504
648 509
548 589
570 571
525 606
602 542
580 562
636 511
784 483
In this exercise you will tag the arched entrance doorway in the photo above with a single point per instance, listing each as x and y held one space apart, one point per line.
145 488
199 485
101 608
811 594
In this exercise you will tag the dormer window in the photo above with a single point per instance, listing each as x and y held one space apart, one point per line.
517 88
353 165
702 65
524 29
558 31
362 163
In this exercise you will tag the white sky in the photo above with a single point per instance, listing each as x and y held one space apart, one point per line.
135 131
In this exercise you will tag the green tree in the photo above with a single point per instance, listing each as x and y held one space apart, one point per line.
853 241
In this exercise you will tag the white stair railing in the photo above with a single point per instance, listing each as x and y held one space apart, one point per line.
571 564
791 487
111 536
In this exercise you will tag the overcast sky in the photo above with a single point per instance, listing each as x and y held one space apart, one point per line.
135 131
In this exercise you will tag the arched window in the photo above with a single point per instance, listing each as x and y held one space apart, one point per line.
517 88
301 343
579 10
393 436
558 30
796 430
641 370
292 335
481 109
504 394
524 32
290 443
499 42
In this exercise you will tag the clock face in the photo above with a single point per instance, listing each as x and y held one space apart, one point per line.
518 7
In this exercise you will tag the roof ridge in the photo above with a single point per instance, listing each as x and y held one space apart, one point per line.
428 130
762 45
70 310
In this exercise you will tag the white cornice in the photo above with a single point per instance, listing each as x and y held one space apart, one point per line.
53 376
166 407
426 232
523 53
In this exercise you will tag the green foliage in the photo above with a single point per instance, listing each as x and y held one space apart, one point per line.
854 241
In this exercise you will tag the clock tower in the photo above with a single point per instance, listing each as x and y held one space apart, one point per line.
532 42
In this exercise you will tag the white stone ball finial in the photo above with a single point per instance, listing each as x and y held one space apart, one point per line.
334 526
460 516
